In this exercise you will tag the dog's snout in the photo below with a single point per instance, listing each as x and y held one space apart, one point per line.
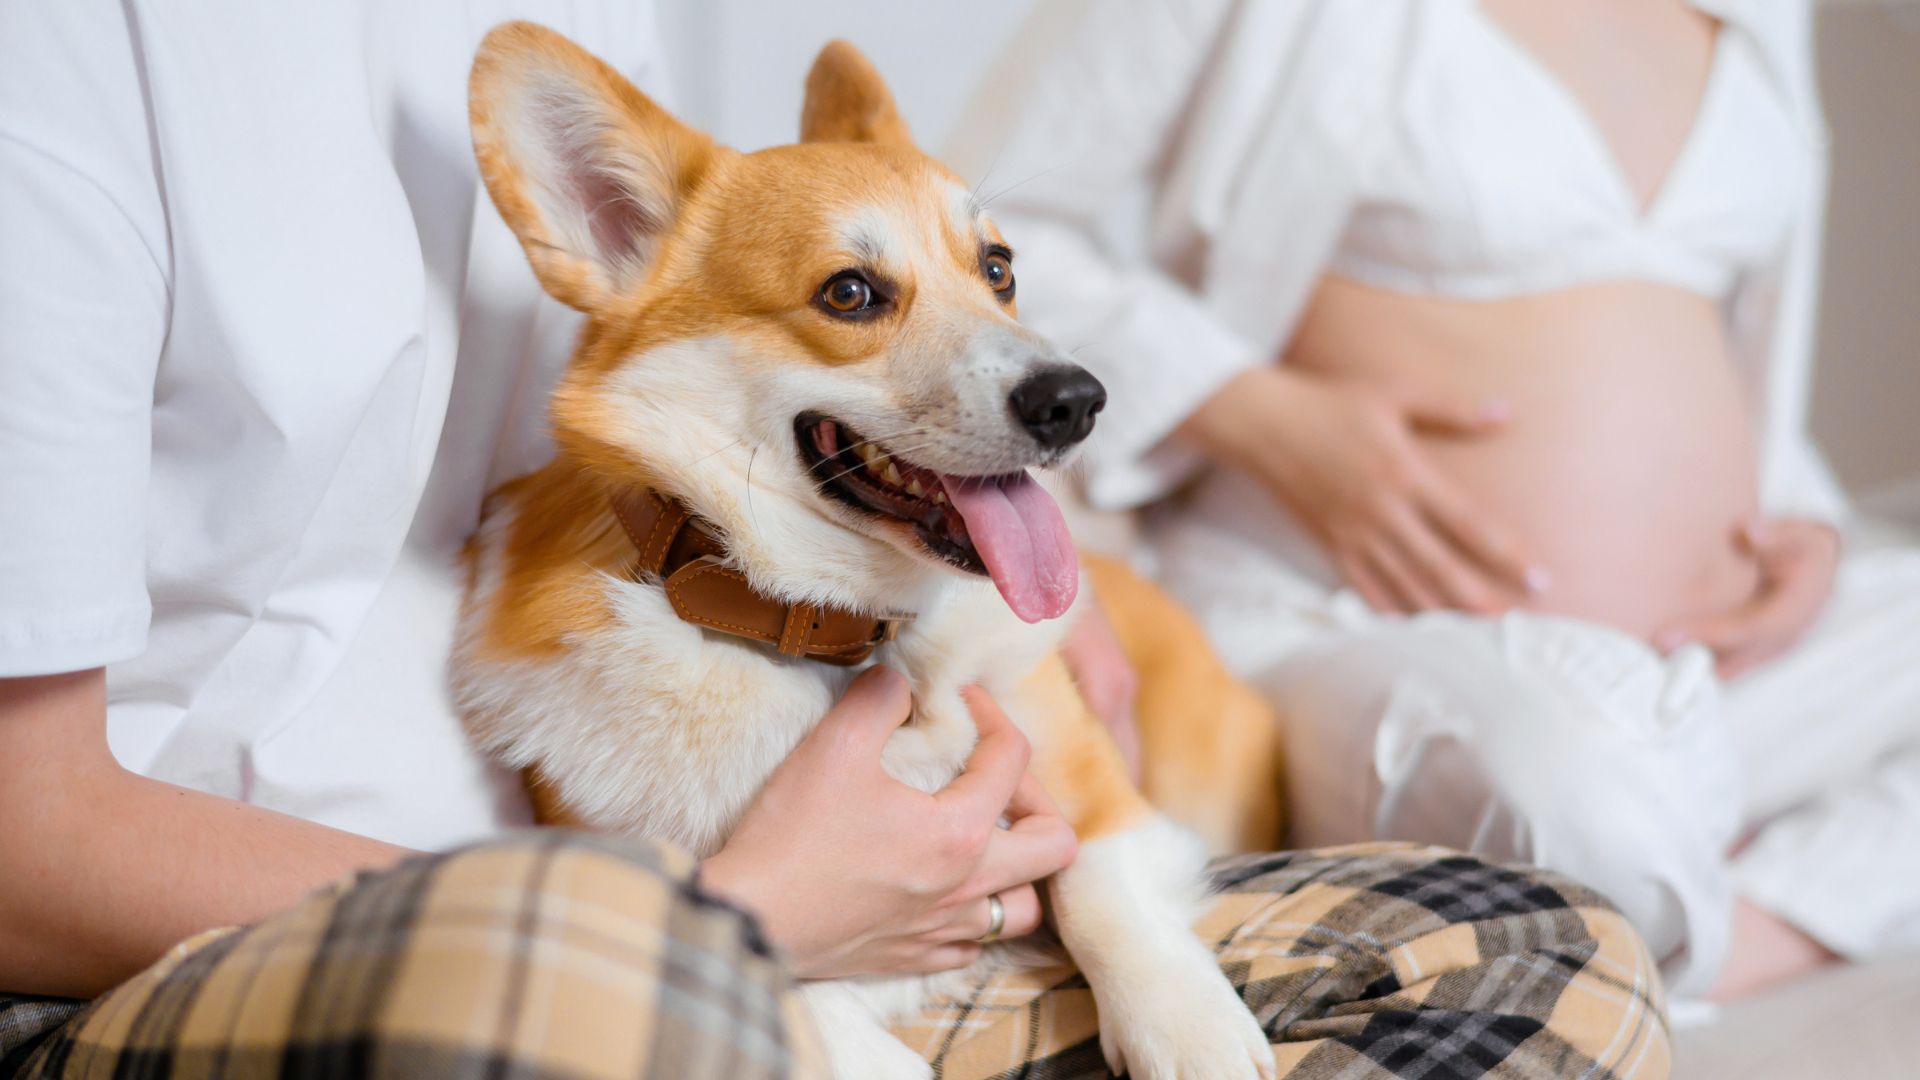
1057 405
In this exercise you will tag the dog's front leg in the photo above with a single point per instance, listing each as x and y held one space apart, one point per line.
1165 1009
849 1015
1125 908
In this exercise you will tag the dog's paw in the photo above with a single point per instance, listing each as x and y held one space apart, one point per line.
1182 1023
877 1060
858 1048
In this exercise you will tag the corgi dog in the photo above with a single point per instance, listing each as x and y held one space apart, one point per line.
796 437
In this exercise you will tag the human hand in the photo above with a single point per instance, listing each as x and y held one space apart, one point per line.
1798 559
1343 456
1106 679
852 872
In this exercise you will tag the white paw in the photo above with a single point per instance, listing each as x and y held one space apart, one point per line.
888 1060
1181 1021
858 1047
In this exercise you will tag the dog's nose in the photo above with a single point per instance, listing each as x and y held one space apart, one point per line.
1057 406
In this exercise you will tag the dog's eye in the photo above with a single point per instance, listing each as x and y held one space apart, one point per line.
847 293
998 268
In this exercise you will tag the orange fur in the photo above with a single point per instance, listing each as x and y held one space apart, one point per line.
549 809
1075 759
559 541
1210 745
847 101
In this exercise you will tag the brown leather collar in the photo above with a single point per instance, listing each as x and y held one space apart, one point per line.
684 555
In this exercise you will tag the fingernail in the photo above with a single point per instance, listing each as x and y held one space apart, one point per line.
1539 579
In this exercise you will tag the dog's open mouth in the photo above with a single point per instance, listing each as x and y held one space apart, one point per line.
1006 527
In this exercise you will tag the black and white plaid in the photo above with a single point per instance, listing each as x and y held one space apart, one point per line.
565 957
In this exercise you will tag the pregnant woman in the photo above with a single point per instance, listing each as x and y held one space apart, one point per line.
1461 348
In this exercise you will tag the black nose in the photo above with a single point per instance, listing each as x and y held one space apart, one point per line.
1057 406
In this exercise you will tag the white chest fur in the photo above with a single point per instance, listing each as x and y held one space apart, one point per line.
657 728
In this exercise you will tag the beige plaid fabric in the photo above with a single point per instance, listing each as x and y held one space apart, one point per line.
555 955
1373 961
563 956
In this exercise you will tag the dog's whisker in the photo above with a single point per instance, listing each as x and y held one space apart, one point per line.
856 468
861 464
878 438
912 431
849 471
750 514
988 201
722 450
973 193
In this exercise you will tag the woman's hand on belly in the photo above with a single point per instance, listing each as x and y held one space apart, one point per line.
852 872
1343 456
1797 560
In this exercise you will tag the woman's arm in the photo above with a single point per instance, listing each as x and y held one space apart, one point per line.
1109 145
1774 312
1105 125
104 869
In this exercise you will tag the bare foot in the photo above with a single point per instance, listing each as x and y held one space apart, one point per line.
1766 951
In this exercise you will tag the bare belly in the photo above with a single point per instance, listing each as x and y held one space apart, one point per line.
1630 458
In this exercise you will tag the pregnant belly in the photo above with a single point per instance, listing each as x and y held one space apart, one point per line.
1629 460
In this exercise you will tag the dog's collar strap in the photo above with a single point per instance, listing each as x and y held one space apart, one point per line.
686 557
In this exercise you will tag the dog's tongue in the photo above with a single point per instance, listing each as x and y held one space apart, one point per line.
1022 538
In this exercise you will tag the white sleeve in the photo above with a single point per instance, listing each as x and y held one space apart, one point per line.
1774 316
1774 322
83 314
1108 145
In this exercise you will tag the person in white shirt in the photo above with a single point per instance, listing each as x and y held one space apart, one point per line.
264 346
1461 350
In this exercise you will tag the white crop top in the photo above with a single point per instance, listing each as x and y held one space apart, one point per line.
1496 182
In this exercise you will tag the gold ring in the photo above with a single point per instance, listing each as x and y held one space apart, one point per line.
996 921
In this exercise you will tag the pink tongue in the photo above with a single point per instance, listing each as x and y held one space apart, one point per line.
1022 538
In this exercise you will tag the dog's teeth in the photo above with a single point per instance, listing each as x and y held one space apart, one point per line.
916 489
871 456
892 474
940 496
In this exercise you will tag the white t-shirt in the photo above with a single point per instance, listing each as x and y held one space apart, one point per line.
264 346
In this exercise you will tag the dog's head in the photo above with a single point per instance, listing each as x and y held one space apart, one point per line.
813 346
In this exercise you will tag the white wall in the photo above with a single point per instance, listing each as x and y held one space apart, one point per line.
1867 397
931 51
1866 402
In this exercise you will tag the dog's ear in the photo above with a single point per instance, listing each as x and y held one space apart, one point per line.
586 169
847 101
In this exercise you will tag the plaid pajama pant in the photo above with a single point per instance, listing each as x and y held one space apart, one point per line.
564 956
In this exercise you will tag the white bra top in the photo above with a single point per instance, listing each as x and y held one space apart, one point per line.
1496 182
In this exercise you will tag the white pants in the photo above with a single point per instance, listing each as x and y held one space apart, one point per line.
1574 746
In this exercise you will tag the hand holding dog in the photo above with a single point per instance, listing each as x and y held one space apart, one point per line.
852 872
